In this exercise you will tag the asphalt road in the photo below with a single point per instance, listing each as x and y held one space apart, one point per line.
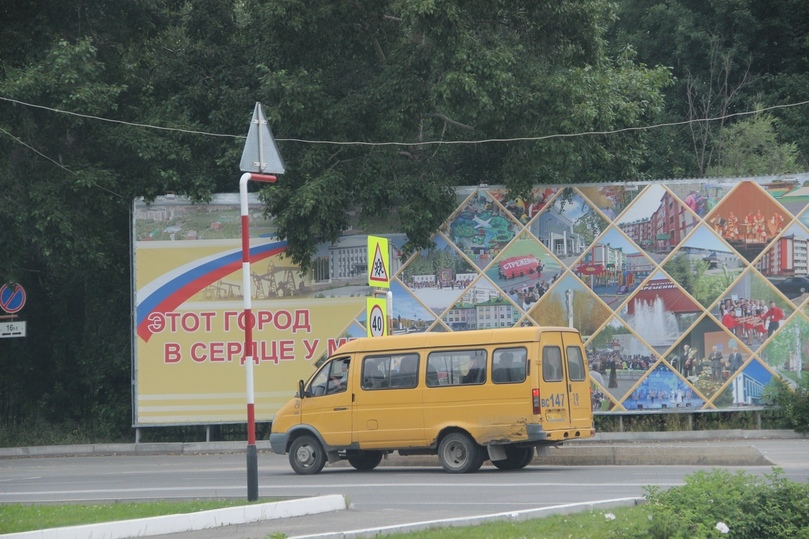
395 493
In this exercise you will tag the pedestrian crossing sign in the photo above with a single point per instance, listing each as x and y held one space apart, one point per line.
378 262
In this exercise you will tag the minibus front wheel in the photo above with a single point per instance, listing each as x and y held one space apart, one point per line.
306 455
459 453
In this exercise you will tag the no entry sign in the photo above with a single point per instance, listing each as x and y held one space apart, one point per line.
12 298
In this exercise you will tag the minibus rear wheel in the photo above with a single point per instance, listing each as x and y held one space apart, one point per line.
517 458
459 453
365 461
306 455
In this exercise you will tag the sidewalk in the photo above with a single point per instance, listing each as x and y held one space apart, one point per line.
606 448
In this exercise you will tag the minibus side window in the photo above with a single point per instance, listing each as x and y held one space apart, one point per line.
456 367
332 378
386 372
508 365
575 364
552 364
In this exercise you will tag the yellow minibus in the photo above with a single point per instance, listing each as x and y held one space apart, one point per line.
467 396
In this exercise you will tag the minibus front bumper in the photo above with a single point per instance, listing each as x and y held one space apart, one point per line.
278 442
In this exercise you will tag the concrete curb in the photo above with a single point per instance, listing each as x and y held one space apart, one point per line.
651 455
183 448
202 520
168 448
526 514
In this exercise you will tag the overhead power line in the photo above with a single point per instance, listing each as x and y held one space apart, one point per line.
420 143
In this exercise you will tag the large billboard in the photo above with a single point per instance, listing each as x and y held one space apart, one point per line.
689 294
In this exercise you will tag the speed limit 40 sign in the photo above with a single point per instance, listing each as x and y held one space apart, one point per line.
377 321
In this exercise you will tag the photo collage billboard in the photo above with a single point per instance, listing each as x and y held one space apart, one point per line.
688 294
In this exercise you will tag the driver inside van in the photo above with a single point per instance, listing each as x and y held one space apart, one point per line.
338 379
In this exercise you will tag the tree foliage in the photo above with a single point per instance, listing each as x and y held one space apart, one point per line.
432 77
727 57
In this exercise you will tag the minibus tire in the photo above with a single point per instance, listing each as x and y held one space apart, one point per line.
306 455
517 458
366 460
459 453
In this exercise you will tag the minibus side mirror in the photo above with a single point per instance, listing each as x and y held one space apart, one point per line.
301 393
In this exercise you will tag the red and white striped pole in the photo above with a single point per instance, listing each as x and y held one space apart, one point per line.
247 293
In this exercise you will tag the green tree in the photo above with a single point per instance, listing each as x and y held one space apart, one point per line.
750 147
433 76
726 57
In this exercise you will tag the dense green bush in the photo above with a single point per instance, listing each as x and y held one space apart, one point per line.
738 506
794 403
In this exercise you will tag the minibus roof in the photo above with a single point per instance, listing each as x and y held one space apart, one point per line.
519 335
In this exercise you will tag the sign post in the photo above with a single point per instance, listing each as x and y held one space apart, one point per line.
12 298
379 276
260 160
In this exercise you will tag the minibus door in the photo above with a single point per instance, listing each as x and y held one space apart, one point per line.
554 399
581 410
327 406
388 408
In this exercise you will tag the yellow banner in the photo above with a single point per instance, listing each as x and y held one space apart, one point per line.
190 323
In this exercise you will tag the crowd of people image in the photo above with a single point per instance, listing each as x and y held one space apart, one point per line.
749 319
528 295
608 362
754 226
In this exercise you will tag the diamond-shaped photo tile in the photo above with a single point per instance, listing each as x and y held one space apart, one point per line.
482 306
662 389
701 197
786 353
611 200
524 270
743 308
438 276
568 300
659 311
568 226
746 387
748 219
790 193
409 315
704 265
524 210
481 229
701 355
618 357
613 267
785 263
657 222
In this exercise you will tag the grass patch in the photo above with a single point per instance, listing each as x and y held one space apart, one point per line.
620 522
16 517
